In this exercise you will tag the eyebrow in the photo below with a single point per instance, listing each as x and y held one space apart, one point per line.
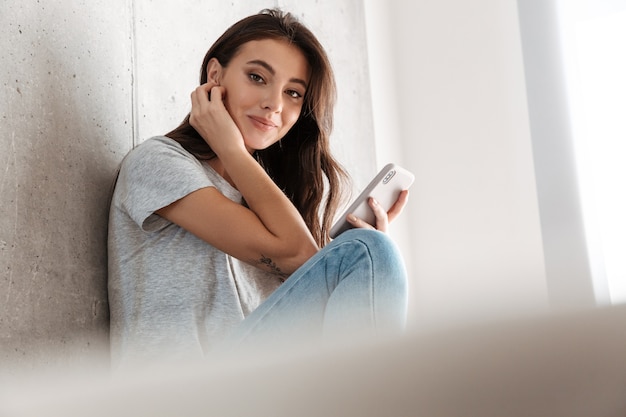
273 72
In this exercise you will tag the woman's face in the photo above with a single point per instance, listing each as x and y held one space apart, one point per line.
265 83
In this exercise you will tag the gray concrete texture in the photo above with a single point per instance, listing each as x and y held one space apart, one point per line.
82 83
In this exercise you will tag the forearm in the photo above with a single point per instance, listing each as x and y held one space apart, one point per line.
279 216
281 233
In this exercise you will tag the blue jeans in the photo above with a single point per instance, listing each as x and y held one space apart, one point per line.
357 283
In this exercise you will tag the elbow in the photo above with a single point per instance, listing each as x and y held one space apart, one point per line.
307 253
298 257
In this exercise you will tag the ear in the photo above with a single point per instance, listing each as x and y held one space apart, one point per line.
214 71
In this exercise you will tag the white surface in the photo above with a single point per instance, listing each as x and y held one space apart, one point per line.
561 366
456 71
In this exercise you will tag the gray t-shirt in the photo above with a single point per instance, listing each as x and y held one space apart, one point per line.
171 294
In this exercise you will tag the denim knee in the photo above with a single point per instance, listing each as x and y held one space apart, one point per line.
382 250
385 274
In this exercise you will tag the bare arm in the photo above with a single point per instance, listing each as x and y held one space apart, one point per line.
270 233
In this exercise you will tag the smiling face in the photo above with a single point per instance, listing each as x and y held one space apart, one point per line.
265 84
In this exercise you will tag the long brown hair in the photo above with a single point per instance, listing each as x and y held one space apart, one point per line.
301 163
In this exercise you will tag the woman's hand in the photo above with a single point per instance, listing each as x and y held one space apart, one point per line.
383 218
268 232
212 120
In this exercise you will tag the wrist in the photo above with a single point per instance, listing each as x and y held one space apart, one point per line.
231 149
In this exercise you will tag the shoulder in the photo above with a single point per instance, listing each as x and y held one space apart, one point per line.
158 151
156 173
159 145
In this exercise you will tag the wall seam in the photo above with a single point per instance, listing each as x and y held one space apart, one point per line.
133 74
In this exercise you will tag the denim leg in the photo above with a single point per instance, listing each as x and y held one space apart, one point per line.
357 283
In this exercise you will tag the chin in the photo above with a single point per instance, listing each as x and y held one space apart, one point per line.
260 145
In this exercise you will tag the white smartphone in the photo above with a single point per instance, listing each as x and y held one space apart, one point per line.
385 188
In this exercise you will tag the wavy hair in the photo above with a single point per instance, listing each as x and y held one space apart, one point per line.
301 163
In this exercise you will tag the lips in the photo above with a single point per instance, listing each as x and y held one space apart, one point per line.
263 123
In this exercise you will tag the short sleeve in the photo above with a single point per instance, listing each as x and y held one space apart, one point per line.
155 174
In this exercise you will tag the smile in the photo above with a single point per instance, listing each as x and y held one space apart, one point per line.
262 123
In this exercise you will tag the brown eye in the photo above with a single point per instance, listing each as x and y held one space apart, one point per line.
293 94
255 77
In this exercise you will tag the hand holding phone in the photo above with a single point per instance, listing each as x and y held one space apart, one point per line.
384 188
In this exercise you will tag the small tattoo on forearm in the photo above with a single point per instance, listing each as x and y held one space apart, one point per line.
271 265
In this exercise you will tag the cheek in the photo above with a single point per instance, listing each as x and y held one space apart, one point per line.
231 102
291 117
236 99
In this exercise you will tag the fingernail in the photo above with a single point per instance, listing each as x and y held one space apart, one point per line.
351 217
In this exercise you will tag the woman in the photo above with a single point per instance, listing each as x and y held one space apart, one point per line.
215 229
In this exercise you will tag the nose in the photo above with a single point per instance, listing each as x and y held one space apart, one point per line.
273 100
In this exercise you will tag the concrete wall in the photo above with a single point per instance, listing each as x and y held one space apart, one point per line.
82 83
66 121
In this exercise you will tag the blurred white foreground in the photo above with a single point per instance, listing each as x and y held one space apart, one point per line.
570 365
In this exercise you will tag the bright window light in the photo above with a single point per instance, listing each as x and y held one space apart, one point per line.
594 44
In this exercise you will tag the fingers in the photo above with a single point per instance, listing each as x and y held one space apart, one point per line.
216 94
199 103
383 218
211 119
380 214
201 96
398 206
359 223
203 108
